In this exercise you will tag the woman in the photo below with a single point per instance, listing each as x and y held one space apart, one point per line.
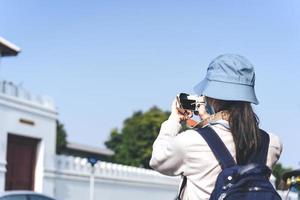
228 88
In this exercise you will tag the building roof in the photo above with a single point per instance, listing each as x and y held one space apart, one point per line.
89 149
7 48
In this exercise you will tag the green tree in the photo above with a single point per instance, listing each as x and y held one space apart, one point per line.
133 143
61 137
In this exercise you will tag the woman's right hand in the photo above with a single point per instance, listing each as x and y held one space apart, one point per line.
179 114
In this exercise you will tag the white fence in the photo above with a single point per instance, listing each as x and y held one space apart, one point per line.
112 181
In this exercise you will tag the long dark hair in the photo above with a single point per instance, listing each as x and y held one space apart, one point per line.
244 125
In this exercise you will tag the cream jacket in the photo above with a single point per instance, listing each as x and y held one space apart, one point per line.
186 153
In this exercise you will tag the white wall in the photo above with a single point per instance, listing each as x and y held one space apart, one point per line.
16 104
112 181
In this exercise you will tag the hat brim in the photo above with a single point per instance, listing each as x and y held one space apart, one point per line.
226 91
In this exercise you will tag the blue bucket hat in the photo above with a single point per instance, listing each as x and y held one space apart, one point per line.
229 77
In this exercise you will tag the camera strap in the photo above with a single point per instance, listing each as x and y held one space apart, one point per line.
224 114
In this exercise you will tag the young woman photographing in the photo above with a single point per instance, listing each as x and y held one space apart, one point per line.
228 89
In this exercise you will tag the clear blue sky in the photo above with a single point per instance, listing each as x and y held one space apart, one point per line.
102 60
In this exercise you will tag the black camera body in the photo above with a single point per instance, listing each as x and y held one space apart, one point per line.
189 102
193 102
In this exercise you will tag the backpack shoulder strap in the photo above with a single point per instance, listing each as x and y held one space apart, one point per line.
217 146
181 188
261 156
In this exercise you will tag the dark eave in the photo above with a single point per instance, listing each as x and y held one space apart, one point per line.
89 149
7 48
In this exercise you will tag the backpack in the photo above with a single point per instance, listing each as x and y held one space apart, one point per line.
235 182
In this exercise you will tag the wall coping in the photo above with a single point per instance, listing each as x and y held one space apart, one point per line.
77 167
17 94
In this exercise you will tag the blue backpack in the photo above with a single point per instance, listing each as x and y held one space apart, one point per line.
236 182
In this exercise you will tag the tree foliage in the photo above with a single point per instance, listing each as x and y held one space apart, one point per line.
133 143
61 137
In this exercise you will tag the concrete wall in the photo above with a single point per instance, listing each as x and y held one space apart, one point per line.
16 104
112 181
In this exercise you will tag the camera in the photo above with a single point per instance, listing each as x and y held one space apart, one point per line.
193 102
189 102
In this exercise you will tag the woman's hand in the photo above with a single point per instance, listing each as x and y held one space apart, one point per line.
202 110
179 114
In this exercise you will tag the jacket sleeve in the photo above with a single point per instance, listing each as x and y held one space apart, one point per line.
168 151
